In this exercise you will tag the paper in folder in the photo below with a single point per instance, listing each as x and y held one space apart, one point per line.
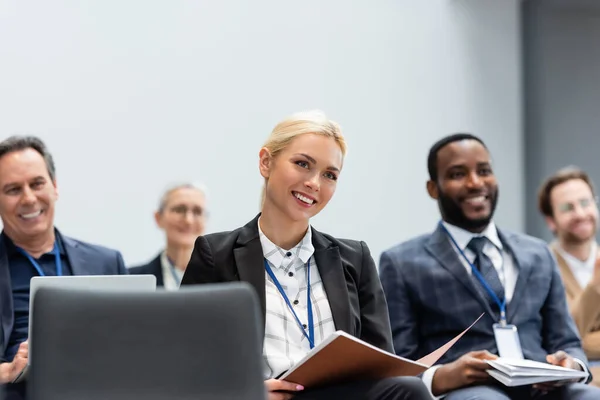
514 372
342 357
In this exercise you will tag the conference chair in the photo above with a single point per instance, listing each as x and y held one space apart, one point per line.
201 342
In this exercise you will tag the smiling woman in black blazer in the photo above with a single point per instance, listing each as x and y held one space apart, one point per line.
309 283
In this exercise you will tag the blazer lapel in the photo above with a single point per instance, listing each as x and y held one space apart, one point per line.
6 300
249 260
77 260
439 246
157 271
524 263
329 264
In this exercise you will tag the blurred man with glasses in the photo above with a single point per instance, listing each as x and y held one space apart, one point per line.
568 202
182 216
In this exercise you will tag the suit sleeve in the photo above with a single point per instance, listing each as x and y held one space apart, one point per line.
559 331
375 322
403 321
201 268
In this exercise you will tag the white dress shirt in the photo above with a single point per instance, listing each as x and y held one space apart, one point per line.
502 260
583 271
285 344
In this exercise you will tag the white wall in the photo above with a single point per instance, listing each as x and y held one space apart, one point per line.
563 94
131 95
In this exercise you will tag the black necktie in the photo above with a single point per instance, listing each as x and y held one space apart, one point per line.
487 270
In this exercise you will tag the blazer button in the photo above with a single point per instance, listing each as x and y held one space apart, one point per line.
296 302
304 326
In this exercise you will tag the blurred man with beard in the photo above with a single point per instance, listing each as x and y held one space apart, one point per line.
439 283
568 203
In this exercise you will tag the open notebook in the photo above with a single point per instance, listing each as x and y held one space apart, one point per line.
514 372
342 357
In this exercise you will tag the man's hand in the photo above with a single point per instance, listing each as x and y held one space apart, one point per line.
467 370
9 371
561 359
276 389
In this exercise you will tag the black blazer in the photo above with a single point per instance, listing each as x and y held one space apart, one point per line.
346 267
154 267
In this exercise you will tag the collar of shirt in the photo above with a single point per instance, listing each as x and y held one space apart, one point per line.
168 266
11 248
463 237
276 255
576 263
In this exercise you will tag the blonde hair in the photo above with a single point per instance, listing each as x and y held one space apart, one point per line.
301 123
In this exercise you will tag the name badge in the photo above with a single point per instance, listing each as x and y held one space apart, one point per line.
507 341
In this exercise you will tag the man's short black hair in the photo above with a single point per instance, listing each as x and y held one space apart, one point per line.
432 163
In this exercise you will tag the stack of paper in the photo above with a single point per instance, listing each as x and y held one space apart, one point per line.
513 372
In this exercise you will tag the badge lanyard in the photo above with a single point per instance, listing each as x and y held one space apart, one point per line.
311 329
501 304
37 266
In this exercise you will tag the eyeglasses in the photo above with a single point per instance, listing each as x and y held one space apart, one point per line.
182 211
566 208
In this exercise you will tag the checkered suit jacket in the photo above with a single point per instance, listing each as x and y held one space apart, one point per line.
431 298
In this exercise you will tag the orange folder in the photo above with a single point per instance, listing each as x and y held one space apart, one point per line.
343 358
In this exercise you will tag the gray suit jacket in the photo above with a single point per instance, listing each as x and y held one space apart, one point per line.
84 259
431 298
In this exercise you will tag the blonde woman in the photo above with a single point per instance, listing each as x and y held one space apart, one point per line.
309 284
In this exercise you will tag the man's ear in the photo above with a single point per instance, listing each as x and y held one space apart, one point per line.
432 189
551 224
265 162
55 189
158 219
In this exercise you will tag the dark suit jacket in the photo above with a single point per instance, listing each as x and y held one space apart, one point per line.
346 267
154 267
432 298
84 259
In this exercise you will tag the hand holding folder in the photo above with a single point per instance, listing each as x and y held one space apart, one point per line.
342 357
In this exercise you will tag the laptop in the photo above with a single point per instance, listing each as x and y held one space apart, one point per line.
121 283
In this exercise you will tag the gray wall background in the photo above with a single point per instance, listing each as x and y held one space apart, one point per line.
132 95
562 94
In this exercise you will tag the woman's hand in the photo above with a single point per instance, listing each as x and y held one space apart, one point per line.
281 390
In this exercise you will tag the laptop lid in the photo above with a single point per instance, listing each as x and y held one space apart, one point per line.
121 283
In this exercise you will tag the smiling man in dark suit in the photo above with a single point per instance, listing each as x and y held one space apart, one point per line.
434 286
31 246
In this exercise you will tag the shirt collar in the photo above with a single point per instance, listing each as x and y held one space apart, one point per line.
276 255
577 263
11 248
462 237
168 266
